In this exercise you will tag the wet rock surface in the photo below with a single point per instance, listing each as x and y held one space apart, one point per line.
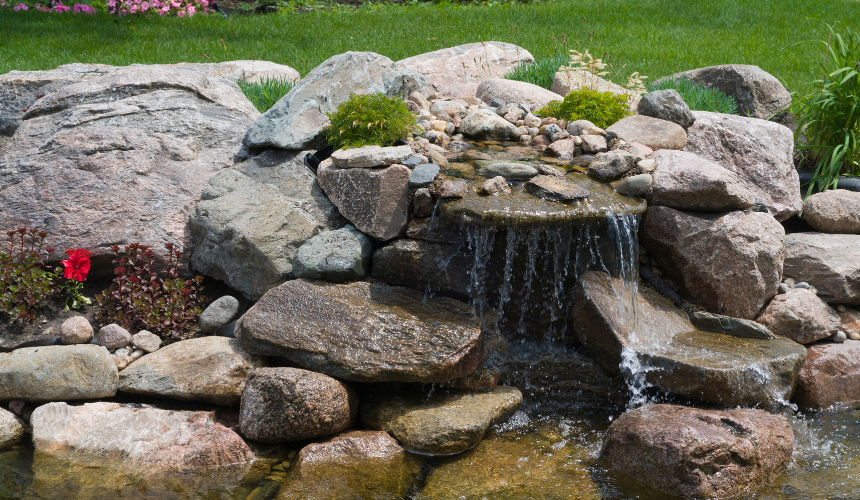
675 356
442 424
759 151
425 265
826 261
355 464
553 188
364 332
701 454
64 373
291 404
798 314
830 377
208 369
253 217
834 211
729 263
136 436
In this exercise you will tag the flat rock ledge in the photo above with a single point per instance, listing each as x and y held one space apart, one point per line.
136 436
699 454
364 332
440 425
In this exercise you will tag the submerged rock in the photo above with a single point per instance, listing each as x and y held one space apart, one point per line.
700 454
57 373
830 377
508 170
136 436
675 356
291 404
355 464
798 314
826 261
209 369
440 425
364 332
729 263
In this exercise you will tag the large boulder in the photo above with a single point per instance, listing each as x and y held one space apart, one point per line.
513 91
253 217
759 151
208 369
801 316
11 428
729 263
425 265
297 120
291 404
826 261
364 332
834 211
136 436
686 181
485 124
355 464
375 200
121 158
57 373
253 71
758 93
702 454
651 132
563 82
336 256
457 71
829 377
663 349
20 89
441 424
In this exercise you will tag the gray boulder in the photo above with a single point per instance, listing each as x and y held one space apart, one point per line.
423 175
291 404
759 151
371 156
758 93
121 158
441 424
635 185
64 373
336 256
826 261
253 217
375 200
484 124
507 169
668 352
298 119
218 314
513 91
834 211
208 369
364 332
608 166
686 181
667 105
729 263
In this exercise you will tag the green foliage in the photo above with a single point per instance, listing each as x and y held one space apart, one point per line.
829 117
25 280
699 98
600 108
140 299
539 72
267 92
364 120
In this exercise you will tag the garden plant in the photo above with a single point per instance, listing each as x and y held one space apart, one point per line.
372 119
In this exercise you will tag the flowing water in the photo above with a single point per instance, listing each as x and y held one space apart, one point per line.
522 282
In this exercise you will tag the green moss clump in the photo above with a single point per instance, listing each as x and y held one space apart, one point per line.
600 108
365 120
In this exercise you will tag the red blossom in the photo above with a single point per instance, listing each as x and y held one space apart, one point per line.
78 265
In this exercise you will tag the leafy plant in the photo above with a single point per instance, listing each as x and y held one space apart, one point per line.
25 279
364 120
600 108
265 93
75 271
540 72
139 299
699 98
829 118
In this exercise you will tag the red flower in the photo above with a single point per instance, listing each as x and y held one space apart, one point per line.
78 265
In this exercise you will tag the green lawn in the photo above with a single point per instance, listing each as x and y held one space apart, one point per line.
654 37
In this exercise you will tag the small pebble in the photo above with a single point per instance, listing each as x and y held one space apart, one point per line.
137 354
840 308
16 406
122 352
782 288
854 336
839 338
790 282
813 289
802 284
